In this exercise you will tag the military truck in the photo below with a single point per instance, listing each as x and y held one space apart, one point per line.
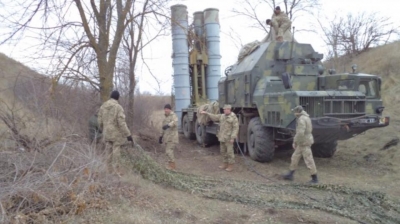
273 79
269 79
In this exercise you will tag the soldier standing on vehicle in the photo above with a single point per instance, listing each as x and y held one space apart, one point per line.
169 135
228 131
302 145
280 22
111 119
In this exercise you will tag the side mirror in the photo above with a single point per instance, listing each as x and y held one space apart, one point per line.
287 82
321 69
379 83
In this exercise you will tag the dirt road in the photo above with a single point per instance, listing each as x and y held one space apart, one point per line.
349 167
353 189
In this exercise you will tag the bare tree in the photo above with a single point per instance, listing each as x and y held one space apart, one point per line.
258 11
80 50
141 31
353 34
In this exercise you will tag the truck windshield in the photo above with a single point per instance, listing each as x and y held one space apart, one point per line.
368 87
346 84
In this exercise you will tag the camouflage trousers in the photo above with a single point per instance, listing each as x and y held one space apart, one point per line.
169 150
280 30
305 152
113 155
226 149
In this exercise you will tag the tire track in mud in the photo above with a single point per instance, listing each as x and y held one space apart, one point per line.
358 205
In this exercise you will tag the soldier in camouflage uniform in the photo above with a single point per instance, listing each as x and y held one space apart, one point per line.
111 119
302 145
169 135
228 131
280 22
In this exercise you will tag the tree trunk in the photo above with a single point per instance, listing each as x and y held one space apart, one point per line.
131 97
106 76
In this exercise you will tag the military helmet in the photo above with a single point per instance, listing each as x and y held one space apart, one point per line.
297 109
227 106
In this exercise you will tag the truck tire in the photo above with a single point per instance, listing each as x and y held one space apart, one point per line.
203 138
187 128
260 144
324 150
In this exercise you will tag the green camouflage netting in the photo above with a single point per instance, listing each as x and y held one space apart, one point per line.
358 205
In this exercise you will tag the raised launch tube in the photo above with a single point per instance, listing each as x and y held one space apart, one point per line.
212 30
198 23
180 59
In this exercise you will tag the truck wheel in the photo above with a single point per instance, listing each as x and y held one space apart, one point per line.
259 140
203 138
324 150
187 128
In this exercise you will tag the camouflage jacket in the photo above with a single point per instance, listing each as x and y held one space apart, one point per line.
170 134
94 130
229 126
303 135
111 120
281 18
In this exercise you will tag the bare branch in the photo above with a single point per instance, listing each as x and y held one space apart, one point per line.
356 33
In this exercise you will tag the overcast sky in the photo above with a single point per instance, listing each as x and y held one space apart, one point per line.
159 53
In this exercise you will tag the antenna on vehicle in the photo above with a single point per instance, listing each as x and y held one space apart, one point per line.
291 49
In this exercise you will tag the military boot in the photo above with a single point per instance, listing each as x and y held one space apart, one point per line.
223 166
314 179
289 175
171 166
229 168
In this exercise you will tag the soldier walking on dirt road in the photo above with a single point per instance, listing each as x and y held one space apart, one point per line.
111 119
302 145
169 135
229 128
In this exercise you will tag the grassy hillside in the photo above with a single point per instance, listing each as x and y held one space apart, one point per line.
12 70
11 73
26 103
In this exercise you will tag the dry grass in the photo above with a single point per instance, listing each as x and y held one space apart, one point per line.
49 172
12 70
46 187
156 119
